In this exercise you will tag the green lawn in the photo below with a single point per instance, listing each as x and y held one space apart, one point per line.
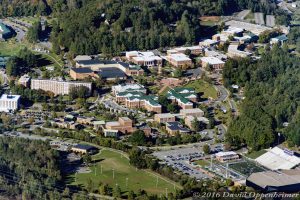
256 154
208 23
202 163
203 87
10 48
137 179
250 16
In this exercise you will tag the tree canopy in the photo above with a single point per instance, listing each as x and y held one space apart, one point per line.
272 97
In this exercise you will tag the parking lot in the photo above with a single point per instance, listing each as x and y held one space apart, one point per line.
179 159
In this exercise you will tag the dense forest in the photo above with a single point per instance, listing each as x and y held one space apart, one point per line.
110 27
29 169
272 97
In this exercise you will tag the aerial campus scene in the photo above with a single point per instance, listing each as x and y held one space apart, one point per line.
149 99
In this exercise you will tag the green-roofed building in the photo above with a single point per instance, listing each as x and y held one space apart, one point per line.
5 32
139 100
184 97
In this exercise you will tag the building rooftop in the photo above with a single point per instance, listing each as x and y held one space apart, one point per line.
10 97
278 158
227 153
282 37
112 123
111 72
212 60
82 70
128 87
164 115
125 119
254 28
82 57
193 110
181 94
4 29
275 178
84 147
179 57
176 126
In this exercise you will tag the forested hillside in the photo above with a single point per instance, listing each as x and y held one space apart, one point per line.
272 91
28 168
114 26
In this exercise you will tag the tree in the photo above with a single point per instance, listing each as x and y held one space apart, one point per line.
104 189
178 73
117 192
172 108
34 32
130 195
195 125
138 138
87 159
206 149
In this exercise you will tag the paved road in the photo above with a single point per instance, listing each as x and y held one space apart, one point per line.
223 92
241 15
233 105
20 31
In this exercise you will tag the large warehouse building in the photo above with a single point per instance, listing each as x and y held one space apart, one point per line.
278 159
275 181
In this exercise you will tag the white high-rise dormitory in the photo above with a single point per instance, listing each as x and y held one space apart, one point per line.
9 102
56 86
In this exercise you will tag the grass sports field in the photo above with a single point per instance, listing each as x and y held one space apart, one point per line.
10 48
202 86
246 167
126 176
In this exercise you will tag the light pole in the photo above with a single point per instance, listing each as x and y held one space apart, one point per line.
113 173
156 181
278 138
167 192
126 182
101 169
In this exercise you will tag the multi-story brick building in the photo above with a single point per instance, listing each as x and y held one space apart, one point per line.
128 87
184 97
215 63
164 117
96 65
56 86
178 59
139 100
124 125
147 58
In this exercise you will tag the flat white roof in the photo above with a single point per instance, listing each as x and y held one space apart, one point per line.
227 153
9 97
212 60
164 115
233 30
277 158
82 57
179 57
129 86
114 123
208 42
193 110
185 48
